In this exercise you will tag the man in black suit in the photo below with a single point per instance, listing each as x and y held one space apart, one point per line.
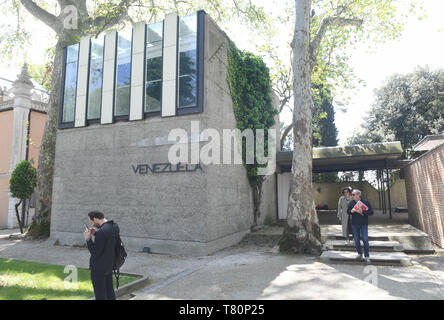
102 254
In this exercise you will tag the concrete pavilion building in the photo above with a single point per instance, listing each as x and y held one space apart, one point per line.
122 93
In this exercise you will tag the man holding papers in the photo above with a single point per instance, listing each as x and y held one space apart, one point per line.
359 210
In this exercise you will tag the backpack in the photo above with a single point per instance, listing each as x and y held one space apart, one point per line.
119 257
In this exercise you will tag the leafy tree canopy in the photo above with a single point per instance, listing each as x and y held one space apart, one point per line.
23 180
407 108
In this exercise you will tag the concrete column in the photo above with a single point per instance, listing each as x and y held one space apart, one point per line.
109 64
169 65
82 83
137 70
21 89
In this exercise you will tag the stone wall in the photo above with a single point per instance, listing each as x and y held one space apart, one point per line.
425 193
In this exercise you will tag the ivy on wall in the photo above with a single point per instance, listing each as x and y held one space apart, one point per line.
250 87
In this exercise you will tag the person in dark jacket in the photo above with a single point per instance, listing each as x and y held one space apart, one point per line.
359 222
102 254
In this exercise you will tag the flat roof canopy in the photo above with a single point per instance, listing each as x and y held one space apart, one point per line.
351 158
429 142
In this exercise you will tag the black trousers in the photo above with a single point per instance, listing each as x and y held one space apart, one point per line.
103 285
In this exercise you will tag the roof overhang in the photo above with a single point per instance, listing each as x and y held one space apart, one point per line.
352 158
429 142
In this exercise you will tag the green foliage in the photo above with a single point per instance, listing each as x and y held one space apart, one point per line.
42 72
23 180
325 133
384 20
41 230
250 87
407 108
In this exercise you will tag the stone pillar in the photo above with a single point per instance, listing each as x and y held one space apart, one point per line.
21 89
109 64
137 70
169 81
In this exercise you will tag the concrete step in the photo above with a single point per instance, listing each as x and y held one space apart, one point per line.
377 258
380 246
338 236
268 236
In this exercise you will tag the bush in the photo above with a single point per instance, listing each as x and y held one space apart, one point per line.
21 185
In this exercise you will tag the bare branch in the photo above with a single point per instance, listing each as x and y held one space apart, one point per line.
285 134
325 24
49 19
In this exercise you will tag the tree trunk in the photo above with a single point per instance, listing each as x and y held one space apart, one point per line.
257 198
18 216
302 232
23 218
42 217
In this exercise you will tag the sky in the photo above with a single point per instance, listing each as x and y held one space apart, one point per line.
420 44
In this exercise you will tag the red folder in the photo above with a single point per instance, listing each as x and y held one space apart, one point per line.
360 205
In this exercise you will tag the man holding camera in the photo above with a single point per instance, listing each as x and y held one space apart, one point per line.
102 254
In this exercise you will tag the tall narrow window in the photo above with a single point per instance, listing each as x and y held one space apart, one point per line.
123 74
95 79
187 70
154 62
70 86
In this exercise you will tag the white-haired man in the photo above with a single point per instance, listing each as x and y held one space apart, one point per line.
359 210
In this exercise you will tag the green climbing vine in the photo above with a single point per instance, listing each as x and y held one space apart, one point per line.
250 86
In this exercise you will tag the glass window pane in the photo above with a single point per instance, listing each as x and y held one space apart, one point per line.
123 76
154 32
73 53
187 91
187 61
122 101
95 79
153 97
188 24
69 95
154 67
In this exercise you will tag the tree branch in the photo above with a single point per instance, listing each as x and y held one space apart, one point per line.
49 19
81 5
285 134
325 24
103 22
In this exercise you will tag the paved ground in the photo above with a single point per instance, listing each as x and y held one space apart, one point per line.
252 272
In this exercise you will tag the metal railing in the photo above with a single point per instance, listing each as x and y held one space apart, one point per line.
6 104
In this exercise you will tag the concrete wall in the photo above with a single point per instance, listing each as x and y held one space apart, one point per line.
191 213
398 194
425 193
6 124
329 193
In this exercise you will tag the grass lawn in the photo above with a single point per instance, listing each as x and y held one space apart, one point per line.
23 280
